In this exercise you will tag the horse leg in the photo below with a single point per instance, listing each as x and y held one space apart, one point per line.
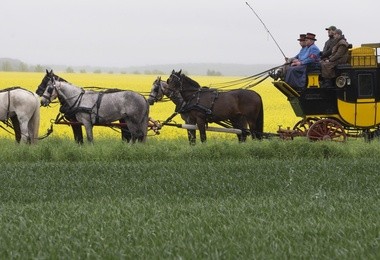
255 134
77 129
78 134
89 134
191 134
25 138
136 131
240 123
256 125
125 133
201 123
16 128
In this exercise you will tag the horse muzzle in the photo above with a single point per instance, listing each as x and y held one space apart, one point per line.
151 101
45 101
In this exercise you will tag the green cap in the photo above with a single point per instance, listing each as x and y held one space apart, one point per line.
331 28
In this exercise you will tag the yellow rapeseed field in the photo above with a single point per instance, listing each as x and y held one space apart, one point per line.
277 110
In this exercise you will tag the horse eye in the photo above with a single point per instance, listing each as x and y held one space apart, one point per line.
50 90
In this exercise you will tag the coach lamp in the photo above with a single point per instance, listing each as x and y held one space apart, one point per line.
342 81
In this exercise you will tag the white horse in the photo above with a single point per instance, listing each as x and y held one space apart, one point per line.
101 107
23 105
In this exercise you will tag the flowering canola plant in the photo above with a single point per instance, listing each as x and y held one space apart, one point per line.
277 110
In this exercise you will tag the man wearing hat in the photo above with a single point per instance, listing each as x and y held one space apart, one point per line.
296 74
280 73
327 49
302 52
339 55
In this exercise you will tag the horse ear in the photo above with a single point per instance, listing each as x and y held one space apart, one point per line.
47 72
180 71
159 78
173 71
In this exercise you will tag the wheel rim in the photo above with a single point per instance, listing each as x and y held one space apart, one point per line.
327 130
303 126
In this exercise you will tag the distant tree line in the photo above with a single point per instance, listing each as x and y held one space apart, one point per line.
21 66
16 65
213 73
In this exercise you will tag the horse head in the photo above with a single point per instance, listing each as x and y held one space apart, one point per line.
175 81
50 92
48 76
156 92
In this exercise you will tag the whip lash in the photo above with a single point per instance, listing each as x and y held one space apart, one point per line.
266 28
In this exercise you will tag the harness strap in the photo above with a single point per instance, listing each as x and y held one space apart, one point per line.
98 101
213 101
74 108
9 105
207 110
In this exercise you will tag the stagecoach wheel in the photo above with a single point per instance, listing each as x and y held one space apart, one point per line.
327 130
303 126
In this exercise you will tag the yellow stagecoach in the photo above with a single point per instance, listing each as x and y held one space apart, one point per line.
350 107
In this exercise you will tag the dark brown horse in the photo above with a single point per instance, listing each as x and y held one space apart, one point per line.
205 105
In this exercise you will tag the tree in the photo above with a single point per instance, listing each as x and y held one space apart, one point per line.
39 68
213 73
7 66
69 70
23 67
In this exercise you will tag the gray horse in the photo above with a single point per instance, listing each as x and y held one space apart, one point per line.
101 107
22 107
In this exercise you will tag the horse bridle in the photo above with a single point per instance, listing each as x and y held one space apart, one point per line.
156 89
178 79
49 89
49 77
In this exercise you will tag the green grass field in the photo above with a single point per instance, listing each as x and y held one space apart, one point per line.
165 199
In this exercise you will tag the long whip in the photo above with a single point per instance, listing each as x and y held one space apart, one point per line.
266 28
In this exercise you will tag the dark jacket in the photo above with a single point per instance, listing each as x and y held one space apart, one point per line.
339 53
327 49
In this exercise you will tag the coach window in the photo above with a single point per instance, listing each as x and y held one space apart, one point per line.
365 85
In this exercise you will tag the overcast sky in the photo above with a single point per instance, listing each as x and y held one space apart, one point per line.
124 33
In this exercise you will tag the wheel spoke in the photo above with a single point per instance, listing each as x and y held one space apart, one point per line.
327 129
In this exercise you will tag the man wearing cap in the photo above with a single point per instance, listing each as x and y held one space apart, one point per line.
339 55
296 74
327 49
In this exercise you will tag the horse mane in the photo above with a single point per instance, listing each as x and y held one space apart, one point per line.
14 88
191 81
105 90
9 89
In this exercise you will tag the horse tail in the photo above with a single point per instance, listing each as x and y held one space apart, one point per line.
145 121
34 122
141 122
260 120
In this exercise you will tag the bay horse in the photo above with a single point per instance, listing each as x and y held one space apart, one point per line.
91 107
159 90
23 108
77 129
205 105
